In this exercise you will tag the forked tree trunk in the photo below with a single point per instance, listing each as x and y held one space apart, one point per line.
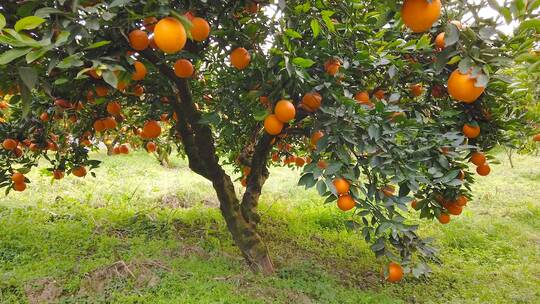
244 233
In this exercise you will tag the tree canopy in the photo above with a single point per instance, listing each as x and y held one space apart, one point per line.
382 104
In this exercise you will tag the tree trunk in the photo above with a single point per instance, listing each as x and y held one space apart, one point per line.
244 233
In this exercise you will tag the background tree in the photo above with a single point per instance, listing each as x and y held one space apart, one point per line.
381 116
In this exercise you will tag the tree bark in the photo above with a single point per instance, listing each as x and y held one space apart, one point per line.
198 142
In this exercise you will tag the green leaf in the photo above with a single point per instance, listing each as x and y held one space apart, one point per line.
2 21
62 38
29 77
116 3
36 54
13 54
451 34
293 34
110 78
303 62
60 81
47 11
98 44
28 23
315 27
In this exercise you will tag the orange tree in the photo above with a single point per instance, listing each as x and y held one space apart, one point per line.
381 103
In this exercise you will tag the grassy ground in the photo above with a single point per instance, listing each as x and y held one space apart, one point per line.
139 233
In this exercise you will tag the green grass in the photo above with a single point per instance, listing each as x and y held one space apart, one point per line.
140 233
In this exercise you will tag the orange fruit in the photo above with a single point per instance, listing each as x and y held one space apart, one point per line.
299 161
315 137
536 137
44 117
99 125
151 129
9 144
109 123
252 7
395 272
419 15
240 58
439 41
79 171
275 157
483 170
379 94
272 125
414 204
478 158
183 68
121 86
113 108
331 66
17 177
116 150
170 35
417 90
322 164
285 111
124 149
342 185
19 187
346 202
471 131
151 147
462 87
102 91
138 90
150 23
58 174
4 105
454 209
461 200
444 218
138 40
363 98
140 71
311 102
200 29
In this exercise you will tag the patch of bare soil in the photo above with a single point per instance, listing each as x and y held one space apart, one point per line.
143 273
43 291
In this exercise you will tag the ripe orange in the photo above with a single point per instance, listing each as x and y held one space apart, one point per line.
419 15
124 149
463 88
17 177
183 68
151 129
439 41
471 131
99 126
138 40
151 147
58 174
315 137
3 105
170 35
240 58
264 101
461 200
395 272
363 98
109 123
331 66
200 29
44 117
300 161
346 202
275 157
272 125
483 170
379 94
252 7
113 108
444 218
342 185
454 209
414 204
140 71
536 137
79 171
322 164
311 102
102 91
478 158
417 90
19 187
138 90
9 144
116 150
285 111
